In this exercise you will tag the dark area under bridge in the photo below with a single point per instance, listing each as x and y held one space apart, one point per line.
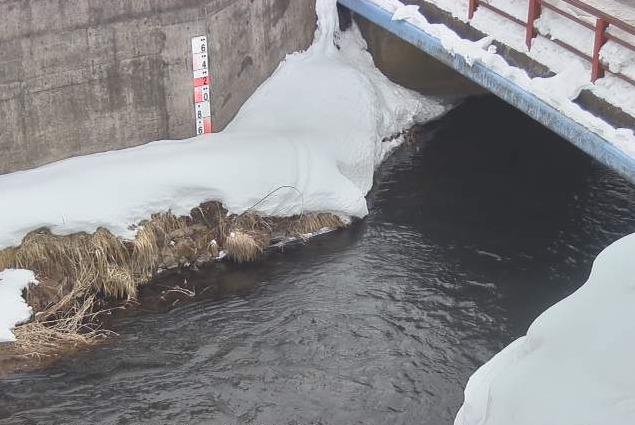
392 44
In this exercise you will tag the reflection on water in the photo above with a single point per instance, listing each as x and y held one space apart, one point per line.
473 231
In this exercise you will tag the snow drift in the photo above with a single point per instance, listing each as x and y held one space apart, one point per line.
313 131
574 366
13 308
307 141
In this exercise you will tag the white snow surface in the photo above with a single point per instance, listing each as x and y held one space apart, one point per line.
13 308
308 140
575 365
572 73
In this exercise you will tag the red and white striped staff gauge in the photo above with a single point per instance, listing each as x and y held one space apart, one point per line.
202 80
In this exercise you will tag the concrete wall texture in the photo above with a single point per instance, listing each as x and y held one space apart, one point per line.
85 76
408 66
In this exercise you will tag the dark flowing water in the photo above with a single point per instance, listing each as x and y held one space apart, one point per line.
474 230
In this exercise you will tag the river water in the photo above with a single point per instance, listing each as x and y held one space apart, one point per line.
476 228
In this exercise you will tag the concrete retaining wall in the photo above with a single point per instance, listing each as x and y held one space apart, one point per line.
84 76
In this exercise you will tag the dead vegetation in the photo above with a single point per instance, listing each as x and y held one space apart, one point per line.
76 328
82 274
312 223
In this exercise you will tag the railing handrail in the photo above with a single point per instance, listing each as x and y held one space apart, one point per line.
623 25
603 20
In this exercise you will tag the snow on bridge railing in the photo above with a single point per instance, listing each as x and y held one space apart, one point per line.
602 22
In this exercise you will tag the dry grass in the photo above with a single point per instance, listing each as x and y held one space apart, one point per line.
8 257
246 246
81 273
212 215
312 223
151 238
119 282
248 237
45 338
251 221
207 244
99 262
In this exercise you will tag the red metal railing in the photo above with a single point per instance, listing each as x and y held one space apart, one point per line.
602 22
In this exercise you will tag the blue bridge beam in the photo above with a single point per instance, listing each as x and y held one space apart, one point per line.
586 140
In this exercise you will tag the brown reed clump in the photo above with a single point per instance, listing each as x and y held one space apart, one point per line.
95 263
312 223
44 338
207 243
243 247
81 273
213 216
8 257
246 246
150 239
247 237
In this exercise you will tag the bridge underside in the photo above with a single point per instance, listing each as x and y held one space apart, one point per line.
485 78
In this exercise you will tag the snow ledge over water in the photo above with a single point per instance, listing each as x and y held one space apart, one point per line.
575 365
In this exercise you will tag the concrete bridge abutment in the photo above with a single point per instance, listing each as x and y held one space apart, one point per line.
410 67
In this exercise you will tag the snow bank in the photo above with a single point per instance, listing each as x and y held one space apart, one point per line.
572 73
575 365
13 308
308 140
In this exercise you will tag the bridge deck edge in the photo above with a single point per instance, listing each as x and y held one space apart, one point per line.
573 131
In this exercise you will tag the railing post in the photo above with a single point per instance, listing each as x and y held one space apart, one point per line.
532 15
597 71
472 6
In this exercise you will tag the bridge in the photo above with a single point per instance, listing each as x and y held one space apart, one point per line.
586 119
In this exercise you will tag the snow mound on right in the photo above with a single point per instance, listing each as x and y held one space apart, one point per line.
575 365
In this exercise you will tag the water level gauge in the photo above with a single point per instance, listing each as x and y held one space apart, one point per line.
202 80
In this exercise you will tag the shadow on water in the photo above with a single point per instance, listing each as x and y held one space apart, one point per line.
474 230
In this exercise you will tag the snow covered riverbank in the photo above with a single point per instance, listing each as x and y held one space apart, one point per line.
307 141
574 366
315 127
